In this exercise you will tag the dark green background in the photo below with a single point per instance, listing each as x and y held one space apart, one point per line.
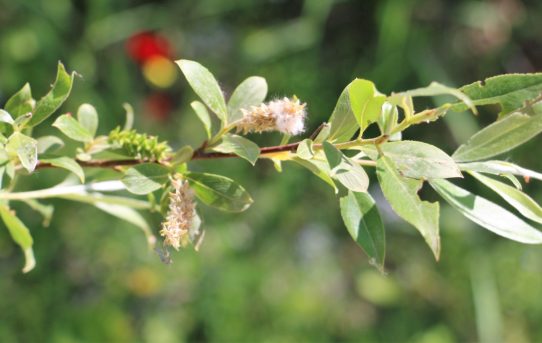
286 270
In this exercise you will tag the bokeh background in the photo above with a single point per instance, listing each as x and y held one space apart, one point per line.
286 270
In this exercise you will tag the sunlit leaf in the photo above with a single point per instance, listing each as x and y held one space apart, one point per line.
206 87
26 148
510 91
251 92
402 194
500 167
521 201
366 102
417 159
20 235
5 117
499 137
343 123
45 143
145 178
362 219
72 128
55 98
487 214
68 164
203 115
219 192
240 146
21 102
88 118
304 149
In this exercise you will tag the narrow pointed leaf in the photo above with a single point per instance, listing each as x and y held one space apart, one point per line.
55 98
509 91
251 92
219 192
499 137
205 86
20 235
362 219
521 201
240 146
487 214
500 167
402 194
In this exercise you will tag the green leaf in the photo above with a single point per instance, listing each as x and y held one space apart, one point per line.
46 211
240 146
487 214
20 234
251 92
206 87
203 115
131 216
26 148
88 118
435 89
346 171
500 167
366 102
324 133
333 155
499 137
68 164
219 192
362 219
351 175
5 117
510 91
145 178
47 142
21 102
304 149
318 167
388 118
55 98
129 111
342 123
182 155
417 160
402 194
521 201
72 128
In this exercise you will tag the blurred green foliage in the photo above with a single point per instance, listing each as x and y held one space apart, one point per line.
286 270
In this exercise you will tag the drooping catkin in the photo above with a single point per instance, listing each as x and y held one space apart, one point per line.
178 229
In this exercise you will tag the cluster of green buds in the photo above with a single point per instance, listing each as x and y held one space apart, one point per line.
139 145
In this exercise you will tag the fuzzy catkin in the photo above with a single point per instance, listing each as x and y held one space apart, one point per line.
284 115
177 227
